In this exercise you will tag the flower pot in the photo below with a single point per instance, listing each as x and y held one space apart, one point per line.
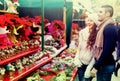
19 71
1 77
11 74
31 47
26 67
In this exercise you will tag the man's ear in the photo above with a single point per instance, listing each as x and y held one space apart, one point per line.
107 14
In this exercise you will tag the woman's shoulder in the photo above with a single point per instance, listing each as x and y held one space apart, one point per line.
86 29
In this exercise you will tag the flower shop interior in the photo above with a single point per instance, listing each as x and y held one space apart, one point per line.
39 40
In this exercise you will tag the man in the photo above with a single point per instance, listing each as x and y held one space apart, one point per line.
118 52
105 45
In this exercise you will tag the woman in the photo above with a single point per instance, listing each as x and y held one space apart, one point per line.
87 38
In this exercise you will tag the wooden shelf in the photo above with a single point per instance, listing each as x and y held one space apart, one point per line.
27 71
12 59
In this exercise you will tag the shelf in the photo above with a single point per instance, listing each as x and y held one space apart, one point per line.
73 74
27 71
3 11
50 76
31 68
6 12
11 59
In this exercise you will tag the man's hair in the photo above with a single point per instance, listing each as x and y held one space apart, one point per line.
109 9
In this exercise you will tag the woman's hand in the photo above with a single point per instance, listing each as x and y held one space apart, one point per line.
77 62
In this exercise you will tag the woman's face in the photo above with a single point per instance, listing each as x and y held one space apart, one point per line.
89 22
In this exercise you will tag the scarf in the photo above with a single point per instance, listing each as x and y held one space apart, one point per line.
98 46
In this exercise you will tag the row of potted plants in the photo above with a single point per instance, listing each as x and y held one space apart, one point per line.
24 46
21 64
60 68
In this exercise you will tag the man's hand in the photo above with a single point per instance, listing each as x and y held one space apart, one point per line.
93 72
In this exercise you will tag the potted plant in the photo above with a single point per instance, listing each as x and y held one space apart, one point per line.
11 70
19 66
2 72
25 62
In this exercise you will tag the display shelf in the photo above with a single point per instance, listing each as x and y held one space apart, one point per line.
6 12
11 59
3 11
17 75
27 71
50 76
73 74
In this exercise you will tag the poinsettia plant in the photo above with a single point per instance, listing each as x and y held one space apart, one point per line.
5 21
12 19
57 30
21 26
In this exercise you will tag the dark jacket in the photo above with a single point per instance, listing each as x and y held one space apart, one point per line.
118 44
109 44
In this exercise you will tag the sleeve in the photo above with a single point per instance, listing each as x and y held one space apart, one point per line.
88 69
109 43
80 40
76 59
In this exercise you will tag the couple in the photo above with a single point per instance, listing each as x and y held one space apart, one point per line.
96 45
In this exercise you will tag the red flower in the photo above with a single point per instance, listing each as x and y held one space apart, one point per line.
15 0
74 26
58 24
38 20
4 21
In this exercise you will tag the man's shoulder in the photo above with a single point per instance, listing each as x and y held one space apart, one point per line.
110 29
110 26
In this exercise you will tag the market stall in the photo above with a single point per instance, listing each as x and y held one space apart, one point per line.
31 37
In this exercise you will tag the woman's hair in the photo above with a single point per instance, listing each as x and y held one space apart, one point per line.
92 37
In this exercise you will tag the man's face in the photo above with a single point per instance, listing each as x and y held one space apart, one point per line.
101 14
